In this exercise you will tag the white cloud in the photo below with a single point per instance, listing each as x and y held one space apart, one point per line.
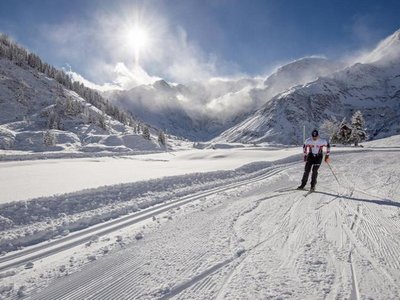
100 44
129 78
125 79
102 88
385 51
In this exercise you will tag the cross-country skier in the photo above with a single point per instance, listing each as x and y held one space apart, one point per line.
313 154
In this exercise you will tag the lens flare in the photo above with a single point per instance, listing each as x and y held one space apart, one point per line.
137 39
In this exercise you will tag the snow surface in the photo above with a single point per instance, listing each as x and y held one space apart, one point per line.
393 141
22 180
257 239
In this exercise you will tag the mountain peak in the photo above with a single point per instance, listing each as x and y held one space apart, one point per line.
300 71
161 84
387 51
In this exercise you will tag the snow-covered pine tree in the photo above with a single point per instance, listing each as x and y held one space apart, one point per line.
146 133
53 119
49 138
358 133
68 107
102 121
161 138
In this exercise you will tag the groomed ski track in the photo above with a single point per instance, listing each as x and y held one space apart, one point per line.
83 236
255 240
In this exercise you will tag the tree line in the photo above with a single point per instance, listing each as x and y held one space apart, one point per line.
20 56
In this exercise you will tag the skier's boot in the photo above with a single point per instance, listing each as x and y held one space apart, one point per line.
301 187
312 189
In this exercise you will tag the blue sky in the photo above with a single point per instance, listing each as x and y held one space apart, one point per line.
191 39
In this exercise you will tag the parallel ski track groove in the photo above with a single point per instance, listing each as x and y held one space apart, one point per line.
108 227
109 291
77 290
381 241
121 282
89 283
365 252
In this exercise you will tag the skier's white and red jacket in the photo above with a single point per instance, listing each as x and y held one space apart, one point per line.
315 147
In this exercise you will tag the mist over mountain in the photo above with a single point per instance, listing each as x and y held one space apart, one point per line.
373 87
201 110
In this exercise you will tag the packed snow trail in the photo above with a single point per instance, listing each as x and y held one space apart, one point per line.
262 241
61 244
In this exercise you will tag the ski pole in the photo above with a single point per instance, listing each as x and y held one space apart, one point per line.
333 173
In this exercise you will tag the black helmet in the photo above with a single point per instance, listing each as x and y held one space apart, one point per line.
314 133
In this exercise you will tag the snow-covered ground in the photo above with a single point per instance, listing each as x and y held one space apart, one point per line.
21 180
393 141
240 234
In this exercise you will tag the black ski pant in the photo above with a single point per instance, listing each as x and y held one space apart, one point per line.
313 162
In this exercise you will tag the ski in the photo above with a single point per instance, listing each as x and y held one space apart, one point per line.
287 190
308 193
296 189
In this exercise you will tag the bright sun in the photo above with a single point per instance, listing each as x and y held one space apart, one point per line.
137 39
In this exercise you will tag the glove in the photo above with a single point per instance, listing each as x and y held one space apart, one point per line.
327 159
305 158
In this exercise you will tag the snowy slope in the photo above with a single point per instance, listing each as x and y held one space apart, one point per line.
202 110
373 88
29 99
299 72
256 239
393 141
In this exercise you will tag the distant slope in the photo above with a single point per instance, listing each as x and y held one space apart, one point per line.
373 88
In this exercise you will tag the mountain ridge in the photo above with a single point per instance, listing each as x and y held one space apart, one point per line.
373 88
203 110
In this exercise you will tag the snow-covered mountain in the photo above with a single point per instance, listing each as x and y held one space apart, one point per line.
203 110
188 110
299 72
38 112
373 87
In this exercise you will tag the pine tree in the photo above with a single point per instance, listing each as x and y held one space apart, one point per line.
49 138
53 119
161 138
358 133
69 107
146 133
102 121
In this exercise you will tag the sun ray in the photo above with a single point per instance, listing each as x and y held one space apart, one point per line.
137 39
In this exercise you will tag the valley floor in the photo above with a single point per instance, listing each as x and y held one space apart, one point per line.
259 240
